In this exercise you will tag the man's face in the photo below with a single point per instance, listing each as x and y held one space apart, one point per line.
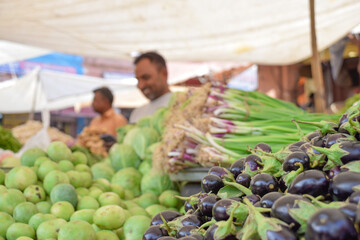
100 103
151 79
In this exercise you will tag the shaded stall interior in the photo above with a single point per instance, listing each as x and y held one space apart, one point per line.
294 82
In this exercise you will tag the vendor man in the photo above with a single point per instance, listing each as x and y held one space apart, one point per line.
151 73
108 119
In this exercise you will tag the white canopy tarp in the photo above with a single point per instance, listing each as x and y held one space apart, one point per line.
12 52
257 31
49 90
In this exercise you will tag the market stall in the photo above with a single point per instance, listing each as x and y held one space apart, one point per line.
248 153
265 168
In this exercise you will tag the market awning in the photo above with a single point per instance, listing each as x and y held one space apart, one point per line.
12 52
265 32
50 90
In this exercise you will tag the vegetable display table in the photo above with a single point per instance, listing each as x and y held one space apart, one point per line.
190 180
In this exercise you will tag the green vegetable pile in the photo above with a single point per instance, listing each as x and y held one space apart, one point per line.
137 143
8 141
92 158
135 150
65 193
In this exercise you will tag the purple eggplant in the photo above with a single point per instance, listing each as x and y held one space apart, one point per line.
211 183
333 172
312 182
218 171
220 208
283 234
191 219
351 113
263 147
342 184
354 197
344 118
154 232
192 237
196 213
243 179
197 236
253 165
168 215
188 206
350 128
294 149
350 118
253 157
317 141
268 199
253 161
342 152
206 204
280 209
347 128
350 211
307 149
295 146
253 198
209 235
237 167
311 135
185 231
331 139
330 224
263 183
291 161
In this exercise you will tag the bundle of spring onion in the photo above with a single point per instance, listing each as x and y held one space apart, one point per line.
215 125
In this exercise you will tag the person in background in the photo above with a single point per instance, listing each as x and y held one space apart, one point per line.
151 73
108 119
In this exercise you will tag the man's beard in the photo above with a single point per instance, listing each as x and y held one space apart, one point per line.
149 94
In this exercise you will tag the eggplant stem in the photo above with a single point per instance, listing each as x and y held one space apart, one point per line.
263 210
165 223
207 224
315 200
240 187
300 131
182 198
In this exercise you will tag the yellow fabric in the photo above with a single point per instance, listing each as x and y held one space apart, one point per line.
109 121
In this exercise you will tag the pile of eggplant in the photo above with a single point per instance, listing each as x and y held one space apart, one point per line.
308 190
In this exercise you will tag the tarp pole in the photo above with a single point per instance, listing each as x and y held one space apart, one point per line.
316 70
32 112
